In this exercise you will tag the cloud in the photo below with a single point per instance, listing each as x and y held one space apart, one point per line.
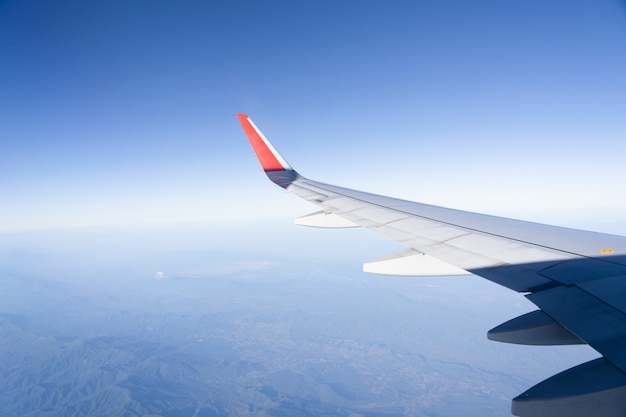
255 265
231 268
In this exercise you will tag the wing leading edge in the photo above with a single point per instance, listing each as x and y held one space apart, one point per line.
577 278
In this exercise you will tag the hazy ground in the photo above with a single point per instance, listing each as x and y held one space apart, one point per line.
248 319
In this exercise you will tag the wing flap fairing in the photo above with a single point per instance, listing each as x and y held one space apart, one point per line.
595 388
324 220
411 263
534 328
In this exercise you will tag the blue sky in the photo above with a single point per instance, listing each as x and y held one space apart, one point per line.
123 111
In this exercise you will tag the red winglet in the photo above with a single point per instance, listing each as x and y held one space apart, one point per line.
268 156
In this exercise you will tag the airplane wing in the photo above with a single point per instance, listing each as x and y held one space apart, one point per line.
577 278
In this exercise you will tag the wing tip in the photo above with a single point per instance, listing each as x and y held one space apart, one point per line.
268 156
274 165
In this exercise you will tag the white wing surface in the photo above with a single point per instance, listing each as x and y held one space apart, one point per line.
577 278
